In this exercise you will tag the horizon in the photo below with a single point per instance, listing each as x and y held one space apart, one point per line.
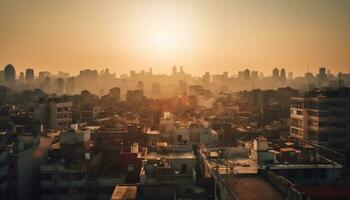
201 36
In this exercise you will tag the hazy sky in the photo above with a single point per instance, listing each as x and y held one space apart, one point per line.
215 36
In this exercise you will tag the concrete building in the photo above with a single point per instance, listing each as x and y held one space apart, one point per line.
168 172
64 173
322 118
29 76
4 171
9 73
27 154
54 113
194 134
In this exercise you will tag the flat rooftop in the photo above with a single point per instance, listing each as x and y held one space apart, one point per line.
124 192
252 188
172 155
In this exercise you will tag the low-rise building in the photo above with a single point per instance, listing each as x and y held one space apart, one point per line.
168 172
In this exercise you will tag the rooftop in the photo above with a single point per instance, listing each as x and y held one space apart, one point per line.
124 192
170 155
252 188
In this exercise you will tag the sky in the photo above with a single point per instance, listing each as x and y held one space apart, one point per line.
200 35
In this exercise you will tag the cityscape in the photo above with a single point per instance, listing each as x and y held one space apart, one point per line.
171 131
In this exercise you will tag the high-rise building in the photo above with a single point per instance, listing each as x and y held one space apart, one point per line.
54 113
182 70
322 117
9 73
246 75
174 70
225 76
290 75
261 75
255 75
275 73
283 74
2 76
21 77
322 79
206 77
29 75
115 93
70 85
60 86
140 85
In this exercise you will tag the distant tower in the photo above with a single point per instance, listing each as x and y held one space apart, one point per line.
246 75
322 71
275 73
283 74
290 75
225 75
21 77
115 93
9 73
2 76
140 85
261 75
60 86
150 71
182 70
255 75
206 77
29 75
70 85
174 70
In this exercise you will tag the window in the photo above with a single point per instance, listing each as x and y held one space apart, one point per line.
131 168
307 173
322 173
63 177
179 138
62 190
77 176
77 190
46 177
183 168
47 191
189 191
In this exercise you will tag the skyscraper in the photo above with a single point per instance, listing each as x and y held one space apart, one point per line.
246 75
29 75
21 77
2 76
283 74
9 73
174 70
275 73
60 86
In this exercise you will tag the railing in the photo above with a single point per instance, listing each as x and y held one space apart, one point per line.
284 186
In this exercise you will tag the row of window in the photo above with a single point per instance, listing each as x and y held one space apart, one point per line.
63 177
62 109
327 114
63 191
64 115
327 124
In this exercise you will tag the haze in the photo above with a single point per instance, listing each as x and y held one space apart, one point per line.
215 36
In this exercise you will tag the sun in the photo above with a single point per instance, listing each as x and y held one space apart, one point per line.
164 39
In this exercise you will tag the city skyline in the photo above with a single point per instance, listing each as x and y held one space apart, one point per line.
202 36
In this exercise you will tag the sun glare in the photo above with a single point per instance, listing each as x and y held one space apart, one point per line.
164 39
